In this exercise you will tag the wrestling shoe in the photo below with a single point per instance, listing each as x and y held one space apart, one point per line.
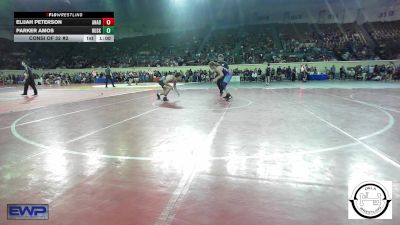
165 99
228 96
158 96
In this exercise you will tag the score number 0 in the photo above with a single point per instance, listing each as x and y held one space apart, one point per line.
108 21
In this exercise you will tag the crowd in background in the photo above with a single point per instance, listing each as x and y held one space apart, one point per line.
389 72
240 45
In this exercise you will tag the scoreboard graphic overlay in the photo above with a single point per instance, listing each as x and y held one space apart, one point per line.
64 26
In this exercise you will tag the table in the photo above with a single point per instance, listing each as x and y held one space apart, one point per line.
321 76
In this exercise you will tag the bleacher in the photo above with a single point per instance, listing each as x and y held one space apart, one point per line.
249 44
386 35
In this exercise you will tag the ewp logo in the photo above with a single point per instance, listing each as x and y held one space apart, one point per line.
28 212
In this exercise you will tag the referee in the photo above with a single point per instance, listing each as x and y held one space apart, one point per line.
29 79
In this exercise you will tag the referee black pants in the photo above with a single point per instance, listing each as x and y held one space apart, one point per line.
29 82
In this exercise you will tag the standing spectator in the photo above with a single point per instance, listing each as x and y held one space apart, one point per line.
293 74
370 71
333 72
303 73
278 73
109 76
390 71
342 73
268 75
254 76
288 73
